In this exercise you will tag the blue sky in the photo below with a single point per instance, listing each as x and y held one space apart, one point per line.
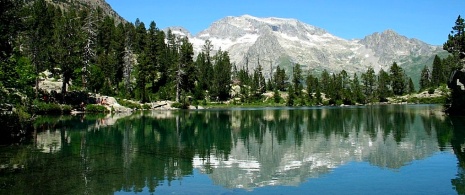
427 20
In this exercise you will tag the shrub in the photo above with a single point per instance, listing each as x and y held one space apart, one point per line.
431 91
66 109
129 104
146 107
93 108
180 105
50 108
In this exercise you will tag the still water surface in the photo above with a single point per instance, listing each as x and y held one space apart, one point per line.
407 149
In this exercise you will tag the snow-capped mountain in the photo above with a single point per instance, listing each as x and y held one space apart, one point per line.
278 41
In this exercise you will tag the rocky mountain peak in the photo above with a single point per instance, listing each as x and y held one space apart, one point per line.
282 42
390 46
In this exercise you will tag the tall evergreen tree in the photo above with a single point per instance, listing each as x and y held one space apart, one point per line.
280 79
456 46
222 76
187 65
258 85
89 51
297 79
437 74
143 73
425 79
369 84
312 84
69 41
11 24
383 90
151 52
357 90
398 82
325 81
411 86
455 43
40 35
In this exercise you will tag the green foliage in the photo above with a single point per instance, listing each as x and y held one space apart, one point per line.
456 46
94 108
455 43
431 91
411 86
425 79
383 90
430 100
276 96
438 76
129 104
146 107
398 82
180 105
42 108
369 84
280 79
222 76
297 79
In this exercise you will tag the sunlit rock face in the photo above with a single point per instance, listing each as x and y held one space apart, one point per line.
282 42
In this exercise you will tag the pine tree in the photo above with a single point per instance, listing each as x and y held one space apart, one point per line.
425 79
346 94
411 86
383 90
143 73
456 46
297 79
280 79
398 83
437 73
369 84
205 66
40 35
69 41
357 90
325 82
311 82
151 51
90 34
187 65
222 76
11 24
456 43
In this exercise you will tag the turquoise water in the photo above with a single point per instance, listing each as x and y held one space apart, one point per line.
403 149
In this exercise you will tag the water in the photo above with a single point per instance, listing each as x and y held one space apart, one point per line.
406 149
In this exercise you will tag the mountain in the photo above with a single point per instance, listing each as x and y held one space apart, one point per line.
278 41
102 4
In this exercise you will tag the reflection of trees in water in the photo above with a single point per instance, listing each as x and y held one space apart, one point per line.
458 145
279 146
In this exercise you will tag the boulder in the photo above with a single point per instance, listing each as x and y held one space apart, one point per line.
456 84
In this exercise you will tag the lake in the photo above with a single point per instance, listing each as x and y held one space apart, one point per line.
389 149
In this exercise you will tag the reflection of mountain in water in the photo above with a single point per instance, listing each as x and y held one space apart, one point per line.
236 148
266 160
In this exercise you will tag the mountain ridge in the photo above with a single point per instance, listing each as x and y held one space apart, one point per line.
274 41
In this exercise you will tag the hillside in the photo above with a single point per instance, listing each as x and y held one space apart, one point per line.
104 6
